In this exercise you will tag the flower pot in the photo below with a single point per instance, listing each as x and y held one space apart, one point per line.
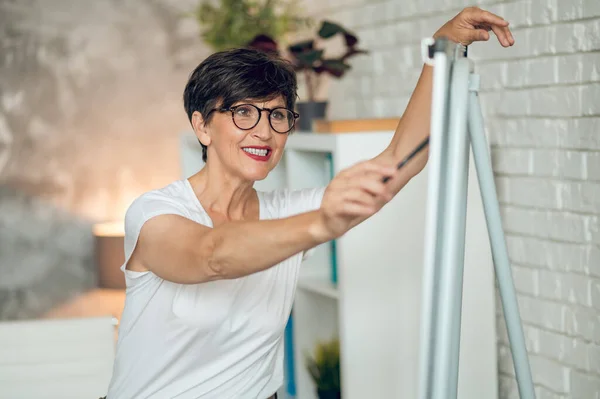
308 112
321 394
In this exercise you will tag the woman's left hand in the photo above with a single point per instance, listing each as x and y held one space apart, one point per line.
473 24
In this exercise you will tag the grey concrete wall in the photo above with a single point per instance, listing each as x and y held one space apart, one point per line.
90 111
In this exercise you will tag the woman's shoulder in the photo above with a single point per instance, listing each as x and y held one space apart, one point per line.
175 195
175 189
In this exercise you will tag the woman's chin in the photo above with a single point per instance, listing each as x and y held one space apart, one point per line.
256 175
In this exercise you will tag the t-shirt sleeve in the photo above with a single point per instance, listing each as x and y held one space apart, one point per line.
140 211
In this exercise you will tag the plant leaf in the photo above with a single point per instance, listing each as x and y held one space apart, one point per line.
300 47
335 67
350 39
353 51
264 43
313 371
329 29
324 367
310 57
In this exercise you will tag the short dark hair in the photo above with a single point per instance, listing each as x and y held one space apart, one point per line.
229 76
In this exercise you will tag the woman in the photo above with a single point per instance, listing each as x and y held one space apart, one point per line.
211 264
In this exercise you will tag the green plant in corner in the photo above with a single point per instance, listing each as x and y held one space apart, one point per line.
234 23
324 369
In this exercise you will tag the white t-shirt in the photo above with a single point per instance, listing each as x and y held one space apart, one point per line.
221 339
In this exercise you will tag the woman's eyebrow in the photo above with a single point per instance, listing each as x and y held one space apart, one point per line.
278 104
259 103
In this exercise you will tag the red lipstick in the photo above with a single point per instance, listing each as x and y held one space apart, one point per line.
258 153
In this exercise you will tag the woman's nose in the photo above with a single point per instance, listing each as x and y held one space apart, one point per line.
263 128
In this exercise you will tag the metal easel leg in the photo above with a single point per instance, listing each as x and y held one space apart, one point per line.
498 244
453 244
433 231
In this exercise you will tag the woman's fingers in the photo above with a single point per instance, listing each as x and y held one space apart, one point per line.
510 36
375 187
369 191
494 22
366 191
502 36
476 35
489 18
368 182
473 25
355 209
487 28
359 196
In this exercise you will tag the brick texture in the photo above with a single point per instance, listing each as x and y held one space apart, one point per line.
541 101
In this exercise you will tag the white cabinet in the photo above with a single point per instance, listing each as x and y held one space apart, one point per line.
67 357
375 306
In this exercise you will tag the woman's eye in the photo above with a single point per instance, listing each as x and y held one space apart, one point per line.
278 115
243 111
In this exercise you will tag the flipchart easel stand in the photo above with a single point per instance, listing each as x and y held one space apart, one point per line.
456 125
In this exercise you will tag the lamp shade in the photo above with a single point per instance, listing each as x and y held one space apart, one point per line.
109 254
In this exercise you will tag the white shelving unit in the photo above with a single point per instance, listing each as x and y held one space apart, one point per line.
375 306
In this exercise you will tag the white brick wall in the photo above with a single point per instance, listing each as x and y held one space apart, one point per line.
541 101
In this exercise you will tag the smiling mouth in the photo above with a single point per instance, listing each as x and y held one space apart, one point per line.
259 154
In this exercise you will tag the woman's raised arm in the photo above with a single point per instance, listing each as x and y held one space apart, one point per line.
470 25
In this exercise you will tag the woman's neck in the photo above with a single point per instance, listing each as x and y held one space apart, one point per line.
226 196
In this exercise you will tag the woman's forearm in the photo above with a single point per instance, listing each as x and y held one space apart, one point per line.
241 248
412 129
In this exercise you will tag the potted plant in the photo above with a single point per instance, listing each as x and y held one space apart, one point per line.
310 60
234 23
324 369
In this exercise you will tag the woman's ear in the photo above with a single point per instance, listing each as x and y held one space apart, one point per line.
200 128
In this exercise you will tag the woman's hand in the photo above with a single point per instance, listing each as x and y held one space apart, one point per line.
352 196
473 24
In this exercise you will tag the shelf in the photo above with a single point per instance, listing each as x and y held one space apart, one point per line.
304 141
330 142
318 285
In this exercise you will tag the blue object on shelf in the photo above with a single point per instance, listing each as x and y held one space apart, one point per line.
330 162
289 356
333 262
332 245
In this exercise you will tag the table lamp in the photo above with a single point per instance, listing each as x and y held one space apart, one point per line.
109 254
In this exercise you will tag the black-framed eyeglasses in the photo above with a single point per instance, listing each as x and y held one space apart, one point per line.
247 116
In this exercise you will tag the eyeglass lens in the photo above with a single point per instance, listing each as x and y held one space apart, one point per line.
246 117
